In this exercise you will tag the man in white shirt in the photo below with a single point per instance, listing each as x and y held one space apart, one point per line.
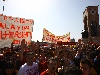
29 68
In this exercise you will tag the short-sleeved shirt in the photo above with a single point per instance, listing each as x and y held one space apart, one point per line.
29 70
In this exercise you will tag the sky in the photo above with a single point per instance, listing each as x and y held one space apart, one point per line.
57 16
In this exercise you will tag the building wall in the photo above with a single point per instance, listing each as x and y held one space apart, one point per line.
91 13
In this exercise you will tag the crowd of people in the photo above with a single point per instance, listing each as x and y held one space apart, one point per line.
34 59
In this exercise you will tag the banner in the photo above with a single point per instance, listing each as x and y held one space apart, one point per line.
51 38
16 29
5 43
59 38
66 38
48 36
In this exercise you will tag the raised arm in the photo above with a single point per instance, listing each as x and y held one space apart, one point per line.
22 49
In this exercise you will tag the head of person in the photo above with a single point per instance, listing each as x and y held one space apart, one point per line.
90 58
98 54
48 55
9 69
52 65
1 56
14 55
72 70
85 66
7 56
61 54
30 58
42 53
74 51
24 53
70 55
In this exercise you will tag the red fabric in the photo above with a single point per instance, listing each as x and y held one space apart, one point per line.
46 67
41 67
44 73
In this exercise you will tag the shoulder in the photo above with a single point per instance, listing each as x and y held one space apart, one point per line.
21 70
93 71
23 66
56 74
35 64
95 59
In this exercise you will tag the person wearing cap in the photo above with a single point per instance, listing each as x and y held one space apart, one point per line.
30 67
97 62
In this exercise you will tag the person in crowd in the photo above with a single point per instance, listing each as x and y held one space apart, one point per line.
64 55
9 69
97 62
1 63
43 63
85 66
22 53
52 66
30 67
70 57
90 57
72 70
1 67
42 55
60 58
15 60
